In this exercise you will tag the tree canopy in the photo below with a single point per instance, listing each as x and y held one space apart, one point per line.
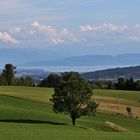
8 77
8 73
51 81
73 97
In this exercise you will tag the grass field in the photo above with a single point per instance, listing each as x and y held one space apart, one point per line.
116 101
128 95
26 114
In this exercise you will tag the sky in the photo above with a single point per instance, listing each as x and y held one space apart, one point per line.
53 29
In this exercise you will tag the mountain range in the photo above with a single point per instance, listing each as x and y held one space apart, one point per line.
91 60
115 73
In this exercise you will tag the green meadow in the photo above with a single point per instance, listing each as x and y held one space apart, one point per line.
26 114
121 94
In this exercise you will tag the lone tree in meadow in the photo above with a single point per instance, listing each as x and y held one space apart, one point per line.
129 111
73 97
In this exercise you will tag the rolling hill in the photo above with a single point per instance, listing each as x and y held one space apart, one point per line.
26 113
125 72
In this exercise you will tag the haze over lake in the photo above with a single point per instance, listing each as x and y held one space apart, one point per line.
70 68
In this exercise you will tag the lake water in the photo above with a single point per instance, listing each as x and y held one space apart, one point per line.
71 68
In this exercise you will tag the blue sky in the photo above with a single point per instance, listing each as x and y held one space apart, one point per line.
64 28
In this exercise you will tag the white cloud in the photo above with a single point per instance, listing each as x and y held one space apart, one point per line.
38 33
109 33
52 35
104 27
5 37
44 28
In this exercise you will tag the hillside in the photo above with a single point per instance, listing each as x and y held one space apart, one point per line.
126 72
26 113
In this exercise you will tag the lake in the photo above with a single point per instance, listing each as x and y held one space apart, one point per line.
70 68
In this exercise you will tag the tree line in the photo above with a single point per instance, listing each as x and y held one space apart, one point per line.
119 84
127 84
7 77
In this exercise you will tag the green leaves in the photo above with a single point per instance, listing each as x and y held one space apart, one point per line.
73 96
8 73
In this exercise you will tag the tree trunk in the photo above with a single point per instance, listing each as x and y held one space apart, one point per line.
73 121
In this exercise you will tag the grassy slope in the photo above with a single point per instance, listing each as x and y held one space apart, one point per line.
55 132
20 109
39 94
128 95
30 93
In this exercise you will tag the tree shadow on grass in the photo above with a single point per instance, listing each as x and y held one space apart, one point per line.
31 121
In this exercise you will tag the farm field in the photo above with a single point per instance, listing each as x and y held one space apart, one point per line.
116 102
26 113
120 94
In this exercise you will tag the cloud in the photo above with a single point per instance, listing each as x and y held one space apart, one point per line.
88 35
44 28
52 35
110 34
104 27
5 37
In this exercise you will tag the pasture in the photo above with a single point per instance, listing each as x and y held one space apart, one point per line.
26 114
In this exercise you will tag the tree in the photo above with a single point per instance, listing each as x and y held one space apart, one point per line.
23 81
73 97
1 80
138 85
129 111
109 85
28 81
8 73
130 84
52 81
121 84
